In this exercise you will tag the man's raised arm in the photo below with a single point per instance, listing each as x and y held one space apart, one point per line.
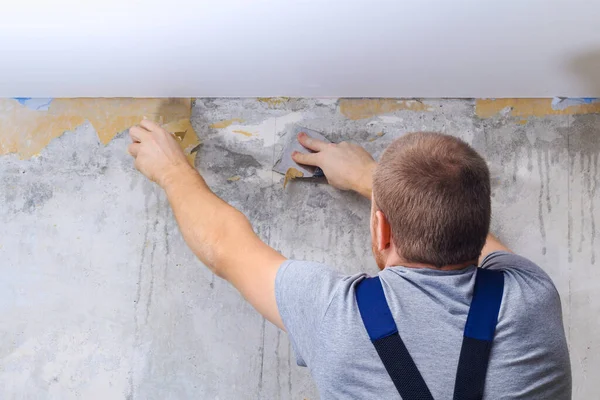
220 236
348 166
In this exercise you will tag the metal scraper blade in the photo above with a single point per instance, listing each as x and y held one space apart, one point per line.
286 162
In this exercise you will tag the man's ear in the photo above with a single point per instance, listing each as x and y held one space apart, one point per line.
383 231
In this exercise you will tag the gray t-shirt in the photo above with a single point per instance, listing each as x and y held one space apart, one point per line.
529 358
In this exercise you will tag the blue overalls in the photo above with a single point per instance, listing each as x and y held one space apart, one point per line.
477 338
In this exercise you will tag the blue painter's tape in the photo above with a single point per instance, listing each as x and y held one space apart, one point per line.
36 104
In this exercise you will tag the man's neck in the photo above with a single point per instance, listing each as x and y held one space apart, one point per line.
429 266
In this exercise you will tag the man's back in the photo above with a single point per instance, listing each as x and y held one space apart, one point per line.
529 356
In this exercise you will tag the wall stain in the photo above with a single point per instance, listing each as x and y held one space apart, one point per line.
486 108
152 252
320 199
366 108
570 168
289 370
584 144
515 168
504 147
262 359
167 218
138 293
592 210
36 196
278 365
547 164
226 162
584 182
540 200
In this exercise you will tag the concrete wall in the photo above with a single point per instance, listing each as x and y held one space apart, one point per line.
357 48
101 299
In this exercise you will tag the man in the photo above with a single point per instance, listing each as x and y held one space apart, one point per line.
429 225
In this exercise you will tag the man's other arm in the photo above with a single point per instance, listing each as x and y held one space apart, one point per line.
220 236
348 166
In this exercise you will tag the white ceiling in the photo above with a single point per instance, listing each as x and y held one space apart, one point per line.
354 48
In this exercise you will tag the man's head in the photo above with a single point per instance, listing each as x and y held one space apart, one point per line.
431 202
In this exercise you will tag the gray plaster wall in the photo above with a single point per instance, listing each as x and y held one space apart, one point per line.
101 299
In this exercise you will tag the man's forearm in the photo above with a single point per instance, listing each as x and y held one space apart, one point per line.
364 182
208 224
223 239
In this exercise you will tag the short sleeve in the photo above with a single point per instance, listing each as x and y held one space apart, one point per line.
530 331
504 260
522 271
303 291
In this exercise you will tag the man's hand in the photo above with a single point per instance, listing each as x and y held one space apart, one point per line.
157 154
347 166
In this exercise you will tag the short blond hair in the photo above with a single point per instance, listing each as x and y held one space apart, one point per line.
434 190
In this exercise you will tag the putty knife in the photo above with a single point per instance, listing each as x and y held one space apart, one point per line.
286 162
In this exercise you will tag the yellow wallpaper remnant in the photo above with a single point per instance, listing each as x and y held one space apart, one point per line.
225 123
367 108
188 139
26 132
486 108
377 136
245 133
290 174
273 101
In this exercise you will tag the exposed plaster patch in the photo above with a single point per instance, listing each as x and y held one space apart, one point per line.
266 131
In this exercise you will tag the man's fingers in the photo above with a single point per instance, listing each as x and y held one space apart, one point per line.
311 143
149 125
306 159
134 149
138 133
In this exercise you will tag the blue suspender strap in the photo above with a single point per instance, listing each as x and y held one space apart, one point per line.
479 335
477 338
382 330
